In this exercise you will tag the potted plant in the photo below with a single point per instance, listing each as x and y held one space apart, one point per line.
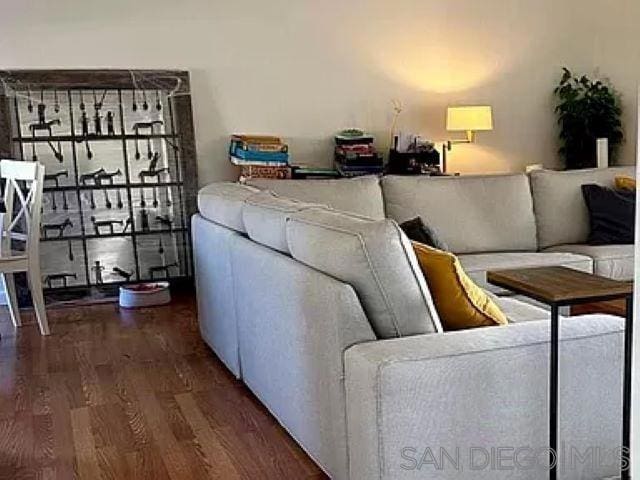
587 110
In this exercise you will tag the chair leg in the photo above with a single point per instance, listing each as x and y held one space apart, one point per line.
12 299
35 284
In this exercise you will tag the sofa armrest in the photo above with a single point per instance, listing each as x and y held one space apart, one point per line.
438 406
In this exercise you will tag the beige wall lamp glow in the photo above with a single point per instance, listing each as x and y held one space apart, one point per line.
469 119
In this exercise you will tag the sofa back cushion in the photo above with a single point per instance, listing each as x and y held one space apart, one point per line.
560 210
488 213
265 215
376 259
222 203
361 195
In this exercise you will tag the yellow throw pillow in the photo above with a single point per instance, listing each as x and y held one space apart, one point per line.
461 304
624 182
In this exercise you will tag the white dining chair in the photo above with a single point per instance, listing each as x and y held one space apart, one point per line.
21 221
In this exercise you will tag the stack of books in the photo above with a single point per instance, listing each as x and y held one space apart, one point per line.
356 155
260 156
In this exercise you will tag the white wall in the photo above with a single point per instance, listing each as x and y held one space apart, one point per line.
304 69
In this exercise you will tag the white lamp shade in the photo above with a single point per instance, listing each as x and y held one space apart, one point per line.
469 119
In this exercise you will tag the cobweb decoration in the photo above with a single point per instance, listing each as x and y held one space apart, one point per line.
173 85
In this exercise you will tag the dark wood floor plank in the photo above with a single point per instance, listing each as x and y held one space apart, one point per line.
156 418
219 463
110 427
43 453
118 394
84 444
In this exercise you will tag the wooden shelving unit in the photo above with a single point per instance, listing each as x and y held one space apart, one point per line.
119 152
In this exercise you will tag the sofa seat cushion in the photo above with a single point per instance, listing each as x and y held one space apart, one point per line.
474 213
361 195
476 265
222 203
265 215
561 212
611 261
376 259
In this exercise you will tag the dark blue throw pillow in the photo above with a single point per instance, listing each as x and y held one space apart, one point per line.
419 232
612 214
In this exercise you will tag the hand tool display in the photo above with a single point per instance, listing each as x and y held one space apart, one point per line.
164 270
145 126
59 228
109 118
56 102
62 278
100 225
122 273
108 218
55 178
97 270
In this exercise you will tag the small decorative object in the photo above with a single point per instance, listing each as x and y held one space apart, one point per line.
260 156
413 155
355 154
587 110
145 295
602 148
397 110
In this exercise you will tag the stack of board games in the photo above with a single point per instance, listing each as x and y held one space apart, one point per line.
260 156
356 155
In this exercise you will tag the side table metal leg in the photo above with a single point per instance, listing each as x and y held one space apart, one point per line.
626 389
553 395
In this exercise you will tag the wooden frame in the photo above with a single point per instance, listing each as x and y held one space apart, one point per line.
177 82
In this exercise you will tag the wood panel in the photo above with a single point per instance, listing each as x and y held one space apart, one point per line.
559 284
131 395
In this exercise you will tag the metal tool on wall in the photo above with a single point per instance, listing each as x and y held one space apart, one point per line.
104 176
55 178
122 273
144 220
165 221
145 105
109 119
85 178
119 202
51 279
44 125
109 224
56 103
97 270
29 102
145 126
97 118
84 122
164 269
56 227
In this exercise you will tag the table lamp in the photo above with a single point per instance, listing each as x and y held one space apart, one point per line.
469 119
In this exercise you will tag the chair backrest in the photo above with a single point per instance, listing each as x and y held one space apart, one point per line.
24 182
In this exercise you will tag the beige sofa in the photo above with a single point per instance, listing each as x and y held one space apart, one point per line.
318 305
491 221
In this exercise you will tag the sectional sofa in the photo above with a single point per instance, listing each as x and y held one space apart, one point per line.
310 293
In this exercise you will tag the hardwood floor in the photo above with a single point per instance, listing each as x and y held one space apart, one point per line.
116 394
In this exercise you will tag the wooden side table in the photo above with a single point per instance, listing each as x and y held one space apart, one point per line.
559 287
